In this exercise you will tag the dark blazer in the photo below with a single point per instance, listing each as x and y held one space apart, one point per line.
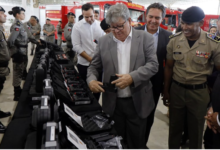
215 98
143 65
163 40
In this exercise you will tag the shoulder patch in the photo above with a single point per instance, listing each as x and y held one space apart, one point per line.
213 37
18 23
174 35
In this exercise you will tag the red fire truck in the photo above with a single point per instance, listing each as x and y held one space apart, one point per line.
137 12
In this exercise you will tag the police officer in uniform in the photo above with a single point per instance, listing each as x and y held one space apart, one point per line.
59 33
4 59
191 55
30 27
17 43
49 30
35 30
67 34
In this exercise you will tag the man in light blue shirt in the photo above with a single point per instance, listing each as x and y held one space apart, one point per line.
154 17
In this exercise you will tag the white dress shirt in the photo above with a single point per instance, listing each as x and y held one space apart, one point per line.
123 52
83 36
155 35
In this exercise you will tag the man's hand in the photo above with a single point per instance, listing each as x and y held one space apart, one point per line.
124 81
39 42
48 34
34 34
95 86
208 115
213 122
166 98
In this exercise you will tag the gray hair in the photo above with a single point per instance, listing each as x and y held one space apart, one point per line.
117 11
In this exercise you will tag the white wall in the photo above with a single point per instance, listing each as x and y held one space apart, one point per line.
29 11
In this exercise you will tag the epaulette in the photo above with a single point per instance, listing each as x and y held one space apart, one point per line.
18 23
213 37
174 35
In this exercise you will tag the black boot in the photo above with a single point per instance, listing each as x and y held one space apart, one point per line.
24 74
2 128
17 93
32 52
4 114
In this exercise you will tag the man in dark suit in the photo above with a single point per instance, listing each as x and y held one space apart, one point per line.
154 16
213 115
130 55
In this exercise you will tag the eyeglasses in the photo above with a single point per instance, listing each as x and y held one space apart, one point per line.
118 27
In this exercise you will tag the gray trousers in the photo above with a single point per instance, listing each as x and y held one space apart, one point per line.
18 69
129 125
190 103
50 39
59 39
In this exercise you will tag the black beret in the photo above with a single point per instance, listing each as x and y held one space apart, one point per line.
2 9
48 19
71 14
104 25
18 8
193 14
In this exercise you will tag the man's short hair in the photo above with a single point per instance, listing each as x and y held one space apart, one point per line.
158 6
117 11
87 6
60 21
96 12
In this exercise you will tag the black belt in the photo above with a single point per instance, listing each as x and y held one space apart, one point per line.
192 87
4 64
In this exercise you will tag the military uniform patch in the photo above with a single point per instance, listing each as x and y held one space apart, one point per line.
174 35
16 29
213 37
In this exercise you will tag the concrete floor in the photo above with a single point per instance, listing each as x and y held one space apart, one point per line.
159 133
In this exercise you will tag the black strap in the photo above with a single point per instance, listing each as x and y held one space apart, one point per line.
192 87
4 64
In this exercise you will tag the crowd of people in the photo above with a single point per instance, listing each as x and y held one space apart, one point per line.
147 61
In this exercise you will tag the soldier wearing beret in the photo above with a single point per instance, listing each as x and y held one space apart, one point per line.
32 30
49 30
105 27
67 34
191 56
4 59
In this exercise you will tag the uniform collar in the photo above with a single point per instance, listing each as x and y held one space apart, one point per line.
1 28
201 40
16 20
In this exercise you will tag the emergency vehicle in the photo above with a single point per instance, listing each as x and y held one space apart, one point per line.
138 14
